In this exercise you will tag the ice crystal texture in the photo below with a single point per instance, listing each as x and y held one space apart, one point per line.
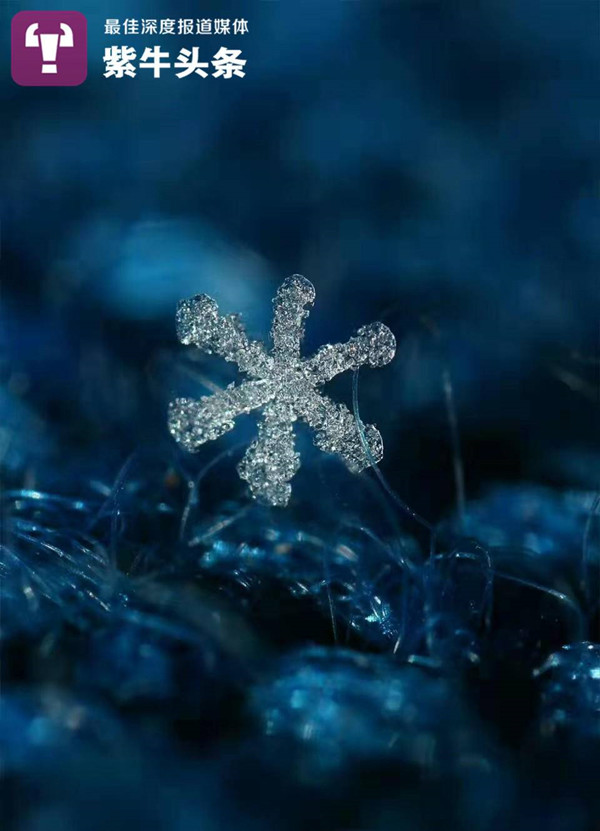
282 384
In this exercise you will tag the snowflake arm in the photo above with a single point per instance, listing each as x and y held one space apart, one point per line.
289 315
336 431
199 323
194 422
374 345
271 461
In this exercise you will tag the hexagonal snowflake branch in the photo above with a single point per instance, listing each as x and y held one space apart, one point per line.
271 461
195 422
283 385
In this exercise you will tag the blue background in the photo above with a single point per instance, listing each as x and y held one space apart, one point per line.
430 164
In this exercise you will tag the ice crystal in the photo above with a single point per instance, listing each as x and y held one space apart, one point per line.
282 384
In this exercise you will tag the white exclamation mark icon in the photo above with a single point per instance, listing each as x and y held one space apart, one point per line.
49 44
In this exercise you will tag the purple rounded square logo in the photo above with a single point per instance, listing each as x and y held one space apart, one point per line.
49 49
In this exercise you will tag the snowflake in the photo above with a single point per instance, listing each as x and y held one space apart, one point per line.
282 384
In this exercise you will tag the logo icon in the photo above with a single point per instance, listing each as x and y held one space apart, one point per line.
49 49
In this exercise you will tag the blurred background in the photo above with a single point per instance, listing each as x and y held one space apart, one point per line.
430 164
433 165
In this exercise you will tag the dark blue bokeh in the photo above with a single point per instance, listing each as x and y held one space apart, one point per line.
414 652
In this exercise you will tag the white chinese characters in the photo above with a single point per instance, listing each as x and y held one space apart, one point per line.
120 62
172 26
